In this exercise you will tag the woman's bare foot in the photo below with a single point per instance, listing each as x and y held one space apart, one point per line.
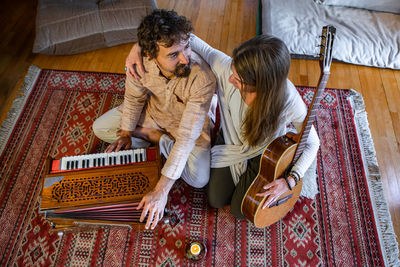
149 134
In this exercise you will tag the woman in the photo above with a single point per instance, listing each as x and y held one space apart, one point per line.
257 103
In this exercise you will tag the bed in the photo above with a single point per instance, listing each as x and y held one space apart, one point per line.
367 31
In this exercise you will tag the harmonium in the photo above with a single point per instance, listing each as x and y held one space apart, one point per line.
96 189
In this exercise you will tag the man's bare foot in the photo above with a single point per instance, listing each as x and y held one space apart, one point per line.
149 134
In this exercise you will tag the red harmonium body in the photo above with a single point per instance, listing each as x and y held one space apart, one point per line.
98 188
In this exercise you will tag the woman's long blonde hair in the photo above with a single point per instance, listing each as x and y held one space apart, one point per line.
263 62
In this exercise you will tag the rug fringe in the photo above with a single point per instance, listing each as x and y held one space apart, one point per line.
17 106
387 236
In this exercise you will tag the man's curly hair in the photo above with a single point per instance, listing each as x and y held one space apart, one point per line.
162 26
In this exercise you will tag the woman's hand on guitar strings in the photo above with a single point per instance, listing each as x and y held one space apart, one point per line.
273 191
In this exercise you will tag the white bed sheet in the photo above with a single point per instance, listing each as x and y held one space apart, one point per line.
362 37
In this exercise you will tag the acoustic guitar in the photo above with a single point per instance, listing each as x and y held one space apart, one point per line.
280 155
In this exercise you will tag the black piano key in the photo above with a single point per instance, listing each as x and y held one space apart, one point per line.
136 158
83 164
68 165
109 161
121 159
77 164
103 161
125 159
88 163
94 163
130 158
72 165
141 156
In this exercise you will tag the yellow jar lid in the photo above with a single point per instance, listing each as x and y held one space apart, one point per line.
195 249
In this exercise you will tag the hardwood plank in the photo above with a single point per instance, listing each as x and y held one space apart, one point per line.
391 85
303 73
225 33
294 71
383 134
313 72
201 24
215 31
232 27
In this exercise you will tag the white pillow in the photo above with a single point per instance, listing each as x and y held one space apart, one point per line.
392 6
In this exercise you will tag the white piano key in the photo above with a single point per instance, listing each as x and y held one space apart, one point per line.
63 163
143 151
91 161
114 158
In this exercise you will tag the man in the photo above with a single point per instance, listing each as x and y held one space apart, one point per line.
167 106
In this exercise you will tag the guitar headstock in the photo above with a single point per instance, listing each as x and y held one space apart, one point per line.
325 56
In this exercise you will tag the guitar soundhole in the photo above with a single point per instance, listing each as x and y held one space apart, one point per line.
280 201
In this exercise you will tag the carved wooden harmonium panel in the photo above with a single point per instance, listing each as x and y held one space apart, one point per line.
98 192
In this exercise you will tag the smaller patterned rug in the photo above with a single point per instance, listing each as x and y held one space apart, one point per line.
340 227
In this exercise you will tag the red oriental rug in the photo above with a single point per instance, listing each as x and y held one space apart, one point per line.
340 227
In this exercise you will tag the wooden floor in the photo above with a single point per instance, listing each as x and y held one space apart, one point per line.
224 24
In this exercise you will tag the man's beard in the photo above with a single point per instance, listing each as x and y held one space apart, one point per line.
182 70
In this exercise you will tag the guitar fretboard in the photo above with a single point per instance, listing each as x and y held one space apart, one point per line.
328 34
311 116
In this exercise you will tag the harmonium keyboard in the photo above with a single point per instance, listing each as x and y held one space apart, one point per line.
95 189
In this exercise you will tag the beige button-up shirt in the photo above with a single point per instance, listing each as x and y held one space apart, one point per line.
178 107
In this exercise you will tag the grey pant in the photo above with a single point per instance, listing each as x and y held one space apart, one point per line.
221 190
197 169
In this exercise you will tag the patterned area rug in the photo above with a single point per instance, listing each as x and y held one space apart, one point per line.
337 228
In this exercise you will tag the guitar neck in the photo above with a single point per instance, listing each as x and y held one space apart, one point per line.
310 118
